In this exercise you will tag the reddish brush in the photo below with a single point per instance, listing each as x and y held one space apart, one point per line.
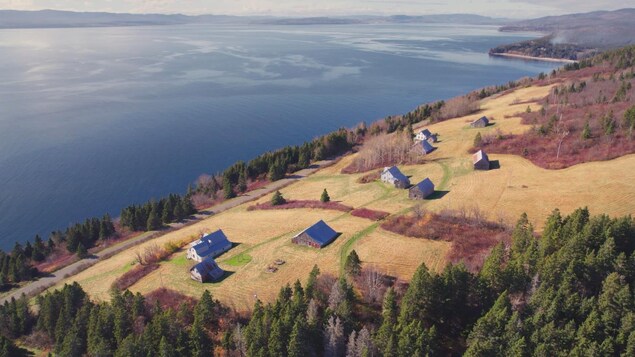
291 204
168 299
471 238
133 275
369 214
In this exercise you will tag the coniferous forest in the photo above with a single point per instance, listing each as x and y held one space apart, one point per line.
566 292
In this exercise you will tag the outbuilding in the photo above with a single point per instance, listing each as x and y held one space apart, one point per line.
424 147
480 122
210 245
421 190
393 176
316 236
207 270
480 160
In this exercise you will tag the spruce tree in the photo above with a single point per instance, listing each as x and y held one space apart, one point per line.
325 197
478 140
353 265
298 340
228 190
242 181
81 251
154 221
586 132
277 199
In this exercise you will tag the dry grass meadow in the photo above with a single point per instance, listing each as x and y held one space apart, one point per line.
264 236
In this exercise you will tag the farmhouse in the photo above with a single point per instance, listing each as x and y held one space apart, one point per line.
207 270
480 160
421 190
316 236
426 135
424 147
211 245
393 176
480 122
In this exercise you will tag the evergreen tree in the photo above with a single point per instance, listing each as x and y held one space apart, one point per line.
228 190
81 251
242 182
325 197
298 340
200 343
478 140
277 199
154 221
586 131
353 265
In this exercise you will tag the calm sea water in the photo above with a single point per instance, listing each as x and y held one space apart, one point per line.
92 120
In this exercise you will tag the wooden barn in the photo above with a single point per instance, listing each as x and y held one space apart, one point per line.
424 147
393 176
207 270
480 122
426 135
210 245
421 190
480 160
316 236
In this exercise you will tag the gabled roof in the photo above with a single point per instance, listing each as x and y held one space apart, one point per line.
320 232
425 186
478 156
483 119
426 133
211 243
426 146
394 171
208 267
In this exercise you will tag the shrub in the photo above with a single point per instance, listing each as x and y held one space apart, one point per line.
325 197
277 199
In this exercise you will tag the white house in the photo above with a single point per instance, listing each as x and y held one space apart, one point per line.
393 176
211 245
426 135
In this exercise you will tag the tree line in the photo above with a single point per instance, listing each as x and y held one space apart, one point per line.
153 214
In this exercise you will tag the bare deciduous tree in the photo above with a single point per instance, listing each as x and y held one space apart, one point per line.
373 284
239 341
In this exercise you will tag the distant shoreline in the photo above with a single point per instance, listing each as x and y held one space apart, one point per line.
525 57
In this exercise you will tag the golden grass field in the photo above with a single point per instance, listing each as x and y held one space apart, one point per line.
264 236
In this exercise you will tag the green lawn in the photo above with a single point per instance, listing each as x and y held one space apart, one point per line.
238 260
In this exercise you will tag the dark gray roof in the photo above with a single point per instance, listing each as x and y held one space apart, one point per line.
426 133
426 186
426 146
394 171
483 119
212 242
321 233
208 267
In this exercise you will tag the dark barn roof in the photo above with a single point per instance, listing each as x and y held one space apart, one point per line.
320 233
394 171
425 133
208 267
426 147
426 187
211 243
481 119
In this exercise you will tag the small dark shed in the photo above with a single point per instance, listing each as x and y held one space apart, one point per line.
480 122
421 190
316 236
425 147
480 160
207 270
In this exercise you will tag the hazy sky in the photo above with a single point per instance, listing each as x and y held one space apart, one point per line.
499 8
